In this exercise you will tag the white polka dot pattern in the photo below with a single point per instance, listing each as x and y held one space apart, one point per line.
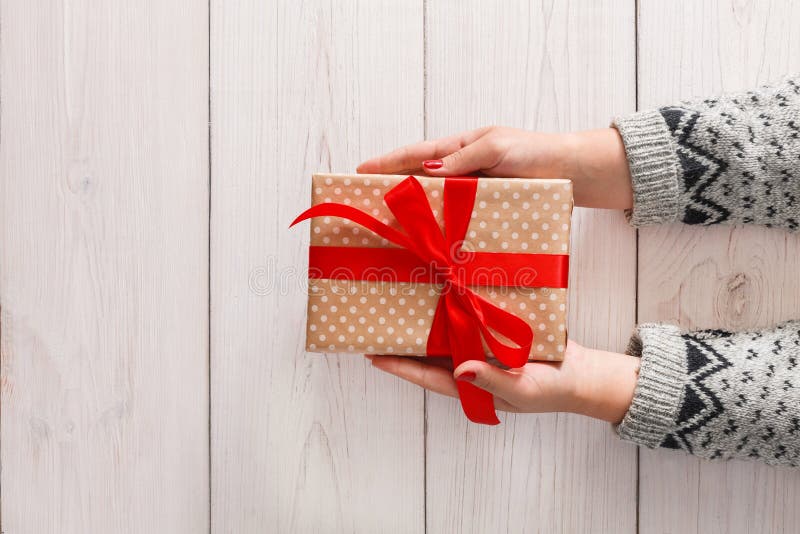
509 215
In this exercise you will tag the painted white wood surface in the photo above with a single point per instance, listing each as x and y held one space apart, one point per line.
547 66
716 277
104 266
303 442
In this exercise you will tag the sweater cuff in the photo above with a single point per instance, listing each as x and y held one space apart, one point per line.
659 390
653 163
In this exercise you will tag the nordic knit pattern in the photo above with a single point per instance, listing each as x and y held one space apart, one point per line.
718 394
731 160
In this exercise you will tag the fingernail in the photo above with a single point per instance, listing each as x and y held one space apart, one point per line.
467 376
432 164
369 356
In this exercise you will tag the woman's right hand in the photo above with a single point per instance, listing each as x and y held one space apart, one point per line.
594 160
589 382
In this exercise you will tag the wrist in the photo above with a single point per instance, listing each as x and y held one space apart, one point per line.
605 385
596 162
571 151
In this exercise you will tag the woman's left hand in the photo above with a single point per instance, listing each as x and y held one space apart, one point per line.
594 160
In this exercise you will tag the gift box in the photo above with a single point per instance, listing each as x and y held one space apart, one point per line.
467 267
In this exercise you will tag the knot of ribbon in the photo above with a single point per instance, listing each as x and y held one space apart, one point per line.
463 320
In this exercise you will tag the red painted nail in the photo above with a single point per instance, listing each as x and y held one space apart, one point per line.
467 376
432 164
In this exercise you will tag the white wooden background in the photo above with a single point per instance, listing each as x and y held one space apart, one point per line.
152 374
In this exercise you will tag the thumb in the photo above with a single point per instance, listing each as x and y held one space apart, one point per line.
507 385
473 157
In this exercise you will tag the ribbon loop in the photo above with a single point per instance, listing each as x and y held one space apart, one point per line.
409 204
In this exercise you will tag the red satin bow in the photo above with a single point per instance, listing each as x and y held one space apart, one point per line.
463 320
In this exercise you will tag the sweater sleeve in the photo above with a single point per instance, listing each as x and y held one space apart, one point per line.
734 159
717 394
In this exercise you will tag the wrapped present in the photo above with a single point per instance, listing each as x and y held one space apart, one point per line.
463 267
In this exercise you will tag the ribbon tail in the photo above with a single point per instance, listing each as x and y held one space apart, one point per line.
465 344
439 337
333 209
491 318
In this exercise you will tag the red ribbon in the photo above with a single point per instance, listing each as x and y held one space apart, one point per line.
463 320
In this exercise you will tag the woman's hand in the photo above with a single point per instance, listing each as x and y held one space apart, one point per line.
594 160
589 382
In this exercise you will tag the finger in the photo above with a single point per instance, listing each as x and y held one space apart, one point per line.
438 361
445 362
399 161
511 386
432 377
480 155
403 159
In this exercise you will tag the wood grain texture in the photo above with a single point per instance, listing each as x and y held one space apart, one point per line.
716 277
104 266
553 66
303 442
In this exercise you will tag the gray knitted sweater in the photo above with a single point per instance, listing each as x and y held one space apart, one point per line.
732 160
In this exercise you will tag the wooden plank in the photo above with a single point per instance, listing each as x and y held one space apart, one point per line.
557 66
104 266
303 442
716 277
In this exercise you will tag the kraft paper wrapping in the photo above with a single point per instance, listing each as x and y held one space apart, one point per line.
509 215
